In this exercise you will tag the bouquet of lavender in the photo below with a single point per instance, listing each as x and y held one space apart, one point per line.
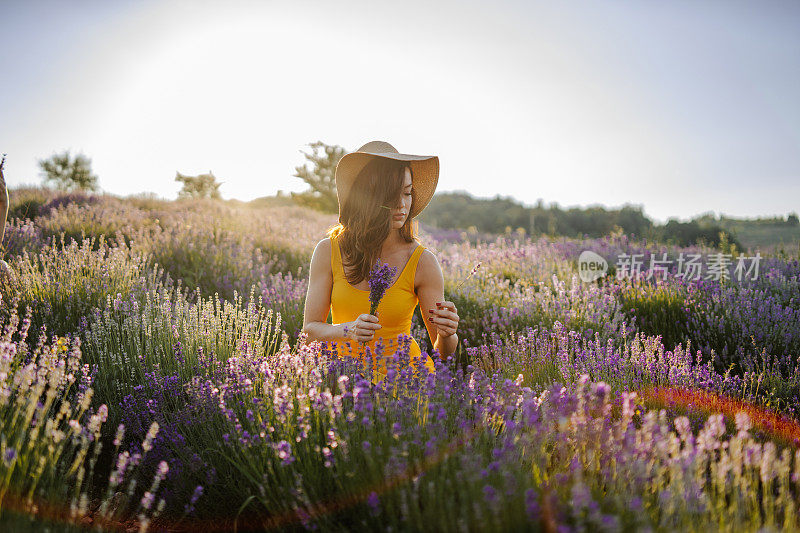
380 278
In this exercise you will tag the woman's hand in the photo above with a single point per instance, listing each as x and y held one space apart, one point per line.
445 317
363 328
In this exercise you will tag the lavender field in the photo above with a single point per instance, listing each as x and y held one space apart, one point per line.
153 376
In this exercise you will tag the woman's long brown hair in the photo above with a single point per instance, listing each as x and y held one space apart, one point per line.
364 224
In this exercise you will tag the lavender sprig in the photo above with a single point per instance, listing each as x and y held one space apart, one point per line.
471 273
380 279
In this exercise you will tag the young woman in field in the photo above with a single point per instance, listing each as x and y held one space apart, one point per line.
380 191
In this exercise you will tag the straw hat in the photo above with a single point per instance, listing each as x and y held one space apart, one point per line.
424 170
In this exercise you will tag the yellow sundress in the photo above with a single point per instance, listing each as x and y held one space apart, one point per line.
394 312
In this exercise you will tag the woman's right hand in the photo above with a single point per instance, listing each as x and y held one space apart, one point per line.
363 328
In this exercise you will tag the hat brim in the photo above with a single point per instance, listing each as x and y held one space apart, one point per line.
424 170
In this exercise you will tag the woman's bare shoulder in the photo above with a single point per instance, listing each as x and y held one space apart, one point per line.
428 260
322 251
427 268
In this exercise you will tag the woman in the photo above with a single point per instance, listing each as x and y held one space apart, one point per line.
380 191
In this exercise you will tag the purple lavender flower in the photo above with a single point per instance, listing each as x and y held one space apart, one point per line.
374 503
198 491
9 456
381 278
284 451
532 504
489 494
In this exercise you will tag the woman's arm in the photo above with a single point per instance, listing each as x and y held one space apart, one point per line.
318 303
318 296
440 316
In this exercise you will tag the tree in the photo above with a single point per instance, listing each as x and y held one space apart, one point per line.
322 194
69 174
792 219
200 186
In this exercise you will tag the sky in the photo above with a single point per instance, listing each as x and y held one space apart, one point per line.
680 107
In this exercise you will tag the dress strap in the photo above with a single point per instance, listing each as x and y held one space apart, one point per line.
336 257
411 271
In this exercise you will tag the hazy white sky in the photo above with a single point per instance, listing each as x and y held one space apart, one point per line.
681 106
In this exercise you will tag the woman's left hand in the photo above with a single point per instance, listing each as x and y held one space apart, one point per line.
445 318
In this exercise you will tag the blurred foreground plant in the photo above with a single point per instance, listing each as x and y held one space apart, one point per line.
49 433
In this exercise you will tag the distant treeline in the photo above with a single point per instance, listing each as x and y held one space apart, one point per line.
460 210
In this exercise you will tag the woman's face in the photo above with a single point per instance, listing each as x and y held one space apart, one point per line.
403 207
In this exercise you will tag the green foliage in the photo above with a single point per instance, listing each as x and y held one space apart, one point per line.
128 339
67 173
40 458
147 201
696 232
50 433
280 199
658 309
200 186
140 334
25 202
64 282
727 245
764 233
75 221
460 210
320 178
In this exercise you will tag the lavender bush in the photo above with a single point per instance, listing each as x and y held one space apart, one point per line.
417 452
63 282
227 416
50 439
